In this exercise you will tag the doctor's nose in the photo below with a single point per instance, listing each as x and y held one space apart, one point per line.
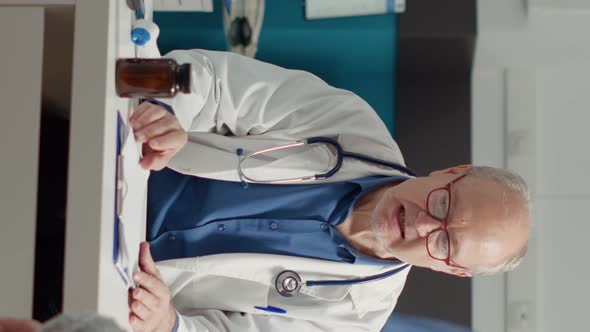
425 224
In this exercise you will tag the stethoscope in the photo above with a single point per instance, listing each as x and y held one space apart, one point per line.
289 283
340 155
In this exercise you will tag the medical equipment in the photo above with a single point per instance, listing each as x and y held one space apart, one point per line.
340 154
240 32
242 24
288 283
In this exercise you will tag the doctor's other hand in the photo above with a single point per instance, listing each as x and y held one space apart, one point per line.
160 133
150 303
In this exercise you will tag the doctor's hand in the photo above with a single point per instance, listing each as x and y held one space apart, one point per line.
150 303
160 133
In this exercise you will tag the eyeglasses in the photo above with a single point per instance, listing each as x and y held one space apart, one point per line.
438 242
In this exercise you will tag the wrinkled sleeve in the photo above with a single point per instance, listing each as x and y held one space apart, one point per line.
236 95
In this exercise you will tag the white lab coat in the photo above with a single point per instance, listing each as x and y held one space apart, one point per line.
238 102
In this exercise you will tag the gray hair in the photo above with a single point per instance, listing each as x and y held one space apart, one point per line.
516 184
81 322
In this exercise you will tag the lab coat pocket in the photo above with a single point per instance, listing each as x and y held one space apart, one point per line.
223 293
327 293
331 306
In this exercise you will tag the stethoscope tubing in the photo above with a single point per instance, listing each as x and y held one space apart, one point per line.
386 274
341 154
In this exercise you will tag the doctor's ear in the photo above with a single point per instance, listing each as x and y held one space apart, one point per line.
460 169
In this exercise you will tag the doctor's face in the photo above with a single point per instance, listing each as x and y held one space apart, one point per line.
485 222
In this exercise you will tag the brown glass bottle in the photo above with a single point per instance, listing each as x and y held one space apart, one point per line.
156 78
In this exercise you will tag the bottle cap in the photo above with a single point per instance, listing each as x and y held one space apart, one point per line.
143 32
140 36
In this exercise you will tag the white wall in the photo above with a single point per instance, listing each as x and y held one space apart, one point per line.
531 93
20 81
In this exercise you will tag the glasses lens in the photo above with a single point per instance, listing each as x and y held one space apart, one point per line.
286 163
438 203
438 244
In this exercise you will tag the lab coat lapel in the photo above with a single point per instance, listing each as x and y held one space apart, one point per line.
384 292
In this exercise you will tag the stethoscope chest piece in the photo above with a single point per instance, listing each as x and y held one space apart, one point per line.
288 283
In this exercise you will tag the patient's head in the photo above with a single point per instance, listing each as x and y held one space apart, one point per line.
85 322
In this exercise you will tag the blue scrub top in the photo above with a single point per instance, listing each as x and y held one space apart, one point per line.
190 216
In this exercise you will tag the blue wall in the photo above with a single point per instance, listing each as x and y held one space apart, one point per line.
357 53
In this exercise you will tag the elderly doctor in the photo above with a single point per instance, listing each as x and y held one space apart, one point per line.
228 252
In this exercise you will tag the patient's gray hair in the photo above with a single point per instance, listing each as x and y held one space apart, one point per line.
516 184
82 322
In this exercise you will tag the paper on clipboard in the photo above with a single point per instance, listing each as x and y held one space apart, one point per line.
132 205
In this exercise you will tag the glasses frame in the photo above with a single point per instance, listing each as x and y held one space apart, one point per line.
444 223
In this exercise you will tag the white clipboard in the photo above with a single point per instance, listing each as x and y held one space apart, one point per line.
131 204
